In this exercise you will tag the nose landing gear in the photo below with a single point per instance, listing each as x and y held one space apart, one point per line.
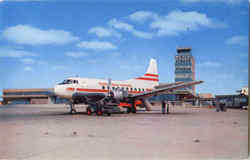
72 108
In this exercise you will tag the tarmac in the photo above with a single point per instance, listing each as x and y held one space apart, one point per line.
34 132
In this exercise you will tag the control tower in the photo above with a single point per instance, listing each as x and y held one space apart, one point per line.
185 67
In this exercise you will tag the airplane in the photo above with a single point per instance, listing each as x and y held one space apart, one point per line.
100 94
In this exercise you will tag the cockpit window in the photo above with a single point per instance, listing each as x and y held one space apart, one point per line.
68 81
75 81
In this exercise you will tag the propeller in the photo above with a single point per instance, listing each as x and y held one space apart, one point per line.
109 86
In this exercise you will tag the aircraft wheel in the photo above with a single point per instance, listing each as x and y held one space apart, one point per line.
98 111
89 112
133 109
128 109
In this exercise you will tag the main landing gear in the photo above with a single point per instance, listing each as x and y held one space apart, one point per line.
99 110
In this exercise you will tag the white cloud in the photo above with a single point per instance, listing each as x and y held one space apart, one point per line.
213 1
96 45
42 62
59 67
142 16
27 61
120 25
104 32
24 34
116 54
144 35
237 40
23 0
177 21
210 64
76 54
28 68
93 61
13 53
129 28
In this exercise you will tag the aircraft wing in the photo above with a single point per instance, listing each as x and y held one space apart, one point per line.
167 89
167 85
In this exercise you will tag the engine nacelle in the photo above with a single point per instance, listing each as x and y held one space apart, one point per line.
119 94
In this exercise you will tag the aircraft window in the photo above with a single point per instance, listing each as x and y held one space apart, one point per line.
103 87
75 81
131 89
143 89
139 89
66 81
127 88
135 89
113 88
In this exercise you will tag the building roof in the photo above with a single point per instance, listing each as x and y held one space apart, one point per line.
205 95
179 50
27 90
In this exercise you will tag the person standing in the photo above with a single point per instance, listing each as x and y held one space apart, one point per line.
167 107
163 107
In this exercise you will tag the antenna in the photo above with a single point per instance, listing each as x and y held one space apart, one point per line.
109 86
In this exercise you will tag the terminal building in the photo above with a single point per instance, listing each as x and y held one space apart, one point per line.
185 67
30 96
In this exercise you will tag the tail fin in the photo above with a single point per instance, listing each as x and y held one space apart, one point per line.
152 73
152 68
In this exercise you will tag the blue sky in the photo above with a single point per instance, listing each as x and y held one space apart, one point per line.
44 42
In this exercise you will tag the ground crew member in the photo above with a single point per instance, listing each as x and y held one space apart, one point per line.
217 105
163 107
167 107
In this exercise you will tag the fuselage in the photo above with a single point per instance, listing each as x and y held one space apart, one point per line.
89 85
72 85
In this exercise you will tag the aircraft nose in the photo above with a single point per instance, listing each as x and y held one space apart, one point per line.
58 90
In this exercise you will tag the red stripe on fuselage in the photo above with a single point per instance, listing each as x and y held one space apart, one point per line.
152 75
147 79
91 90
70 89
102 90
